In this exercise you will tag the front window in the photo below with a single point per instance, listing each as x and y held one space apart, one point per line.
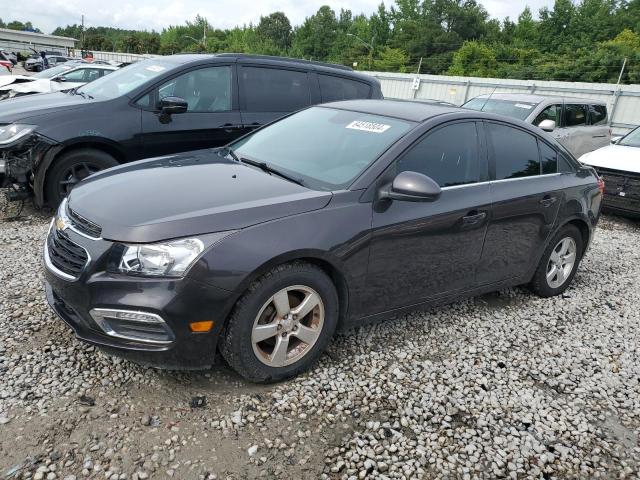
508 108
326 148
125 80
205 90
632 139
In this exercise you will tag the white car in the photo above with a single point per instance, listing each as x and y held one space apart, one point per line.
619 166
58 79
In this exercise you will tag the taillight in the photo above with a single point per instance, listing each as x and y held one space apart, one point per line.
601 185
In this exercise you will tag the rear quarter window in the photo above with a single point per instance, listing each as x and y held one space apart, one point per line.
515 152
597 114
334 88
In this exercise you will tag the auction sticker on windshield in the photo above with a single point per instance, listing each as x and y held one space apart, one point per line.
524 105
368 126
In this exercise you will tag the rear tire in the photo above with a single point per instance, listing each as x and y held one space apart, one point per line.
559 263
282 324
72 167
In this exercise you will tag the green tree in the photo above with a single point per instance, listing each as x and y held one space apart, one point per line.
276 29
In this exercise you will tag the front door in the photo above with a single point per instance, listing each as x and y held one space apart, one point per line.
211 119
526 195
423 250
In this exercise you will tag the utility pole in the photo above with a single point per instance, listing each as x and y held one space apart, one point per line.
82 34
624 64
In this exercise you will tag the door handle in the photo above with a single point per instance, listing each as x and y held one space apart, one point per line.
599 136
547 201
473 217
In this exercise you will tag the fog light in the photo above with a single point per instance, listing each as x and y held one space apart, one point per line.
201 327
133 325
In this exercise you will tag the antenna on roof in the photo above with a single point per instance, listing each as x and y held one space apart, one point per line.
488 98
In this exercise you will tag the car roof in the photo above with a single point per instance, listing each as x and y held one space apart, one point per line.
98 66
401 109
534 98
186 58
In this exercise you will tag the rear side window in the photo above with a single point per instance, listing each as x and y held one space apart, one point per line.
449 155
273 90
337 88
549 159
597 114
515 152
575 115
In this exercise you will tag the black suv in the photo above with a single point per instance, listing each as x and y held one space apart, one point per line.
159 106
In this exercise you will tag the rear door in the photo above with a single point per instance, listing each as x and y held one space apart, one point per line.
598 125
269 91
576 135
212 118
526 193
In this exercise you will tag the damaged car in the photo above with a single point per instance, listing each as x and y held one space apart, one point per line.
158 106
619 166
64 78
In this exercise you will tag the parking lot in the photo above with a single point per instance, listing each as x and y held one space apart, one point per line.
503 385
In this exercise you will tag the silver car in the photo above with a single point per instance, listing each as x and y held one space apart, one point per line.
580 124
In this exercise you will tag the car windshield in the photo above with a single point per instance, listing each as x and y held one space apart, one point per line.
125 80
508 108
631 139
325 148
51 72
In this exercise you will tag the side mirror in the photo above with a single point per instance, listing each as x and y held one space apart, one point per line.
412 187
60 79
170 105
547 125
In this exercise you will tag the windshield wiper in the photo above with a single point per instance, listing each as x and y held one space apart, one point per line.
269 169
229 151
82 94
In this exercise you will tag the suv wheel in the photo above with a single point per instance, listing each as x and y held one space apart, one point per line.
559 263
282 324
71 168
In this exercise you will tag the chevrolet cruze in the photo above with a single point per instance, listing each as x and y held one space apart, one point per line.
331 217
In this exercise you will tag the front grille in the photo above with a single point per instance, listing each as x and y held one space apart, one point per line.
83 225
65 255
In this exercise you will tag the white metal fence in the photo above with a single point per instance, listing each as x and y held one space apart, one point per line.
623 100
121 57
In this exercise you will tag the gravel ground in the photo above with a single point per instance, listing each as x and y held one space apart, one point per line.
503 385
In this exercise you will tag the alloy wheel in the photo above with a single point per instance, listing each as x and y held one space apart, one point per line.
74 175
561 262
287 326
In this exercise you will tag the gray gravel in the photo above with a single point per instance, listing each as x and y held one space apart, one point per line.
503 385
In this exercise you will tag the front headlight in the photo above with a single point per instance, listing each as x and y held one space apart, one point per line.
166 259
11 133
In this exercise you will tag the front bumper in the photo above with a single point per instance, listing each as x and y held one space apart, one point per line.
177 301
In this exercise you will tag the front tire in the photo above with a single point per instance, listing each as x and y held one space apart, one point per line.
71 168
559 263
282 324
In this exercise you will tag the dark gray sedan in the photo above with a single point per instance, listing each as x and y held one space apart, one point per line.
331 217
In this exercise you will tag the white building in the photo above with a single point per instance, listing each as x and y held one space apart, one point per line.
18 41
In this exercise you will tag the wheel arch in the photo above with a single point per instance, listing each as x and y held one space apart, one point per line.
40 175
322 260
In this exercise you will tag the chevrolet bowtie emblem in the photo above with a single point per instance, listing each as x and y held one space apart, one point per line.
60 225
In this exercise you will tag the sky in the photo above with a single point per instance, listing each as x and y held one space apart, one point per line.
158 14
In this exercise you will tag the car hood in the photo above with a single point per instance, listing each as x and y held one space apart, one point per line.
615 157
41 85
14 79
193 193
22 108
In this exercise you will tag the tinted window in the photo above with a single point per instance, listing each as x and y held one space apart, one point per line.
552 112
598 114
83 75
324 147
273 90
205 89
564 164
575 115
338 88
509 108
515 152
449 155
549 159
